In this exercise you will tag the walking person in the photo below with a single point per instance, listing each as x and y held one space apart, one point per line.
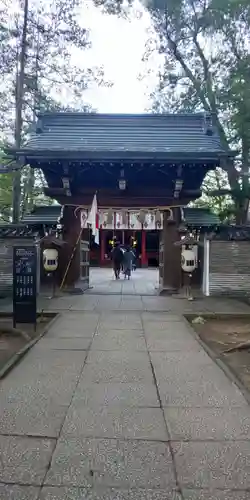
128 259
134 260
117 257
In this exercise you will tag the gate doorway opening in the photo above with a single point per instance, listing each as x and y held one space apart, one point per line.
145 245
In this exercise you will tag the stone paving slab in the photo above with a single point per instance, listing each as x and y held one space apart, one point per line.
176 374
117 394
153 304
117 371
117 366
33 393
206 424
17 492
109 332
133 358
48 391
113 394
142 281
199 393
120 321
37 419
115 422
24 460
59 344
131 305
172 344
112 342
106 326
64 493
80 326
215 495
71 332
137 298
40 364
157 317
53 376
111 463
214 465
108 303
165 329
80 322
76 318
181 360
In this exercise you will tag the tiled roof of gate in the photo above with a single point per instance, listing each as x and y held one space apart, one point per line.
43 215
200 217
148 133
46 215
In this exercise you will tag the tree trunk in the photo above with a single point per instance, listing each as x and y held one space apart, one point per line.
29 188
19 109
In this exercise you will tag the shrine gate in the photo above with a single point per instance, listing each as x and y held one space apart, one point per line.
147 163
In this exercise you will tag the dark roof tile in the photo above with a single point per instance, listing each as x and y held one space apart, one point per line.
43 215
152 133
48 215
200 217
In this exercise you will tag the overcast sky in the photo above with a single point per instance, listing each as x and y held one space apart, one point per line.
119 45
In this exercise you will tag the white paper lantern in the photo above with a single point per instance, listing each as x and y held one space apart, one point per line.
50 259
188 261
142 216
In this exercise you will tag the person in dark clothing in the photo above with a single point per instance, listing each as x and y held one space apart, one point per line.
134 260
117 257
128 259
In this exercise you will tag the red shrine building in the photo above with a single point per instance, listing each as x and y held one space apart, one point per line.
145 169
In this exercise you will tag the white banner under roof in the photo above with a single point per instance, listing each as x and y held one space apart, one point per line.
124 220
84 216
104 220
134 222
150 223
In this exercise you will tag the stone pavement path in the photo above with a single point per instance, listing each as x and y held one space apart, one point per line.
117 405
143 281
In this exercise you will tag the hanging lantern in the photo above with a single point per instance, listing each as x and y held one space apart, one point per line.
50 259
158 218
142 216
188 261
122 181
124 218
110 217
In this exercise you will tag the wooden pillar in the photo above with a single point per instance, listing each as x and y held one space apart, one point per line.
170 255
143 249
102 246
71 222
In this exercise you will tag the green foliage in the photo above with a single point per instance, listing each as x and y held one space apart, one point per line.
5 197
205 45
36 42
205 49
117 7
223 206
52 31
5 193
